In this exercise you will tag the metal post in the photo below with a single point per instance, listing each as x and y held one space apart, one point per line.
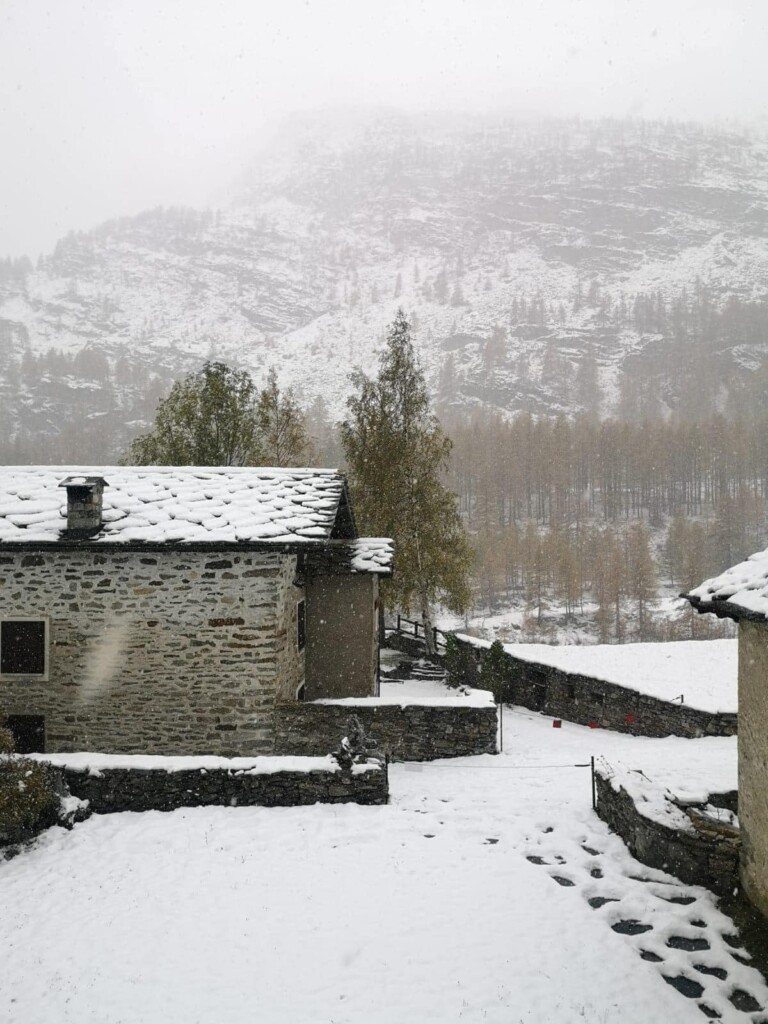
501 728
594 786
398 623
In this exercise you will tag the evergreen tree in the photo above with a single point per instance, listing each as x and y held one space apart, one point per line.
397 452
460 663
495 673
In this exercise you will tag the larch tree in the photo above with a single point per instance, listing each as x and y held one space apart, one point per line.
397 453
642 574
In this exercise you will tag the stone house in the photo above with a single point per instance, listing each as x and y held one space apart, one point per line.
741 593
176 610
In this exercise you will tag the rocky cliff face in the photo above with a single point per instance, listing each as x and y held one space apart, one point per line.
615 267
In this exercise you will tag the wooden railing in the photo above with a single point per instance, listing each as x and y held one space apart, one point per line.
411 627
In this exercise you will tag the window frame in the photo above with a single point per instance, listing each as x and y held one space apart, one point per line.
301 624
36 676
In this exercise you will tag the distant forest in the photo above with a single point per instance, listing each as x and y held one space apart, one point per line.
690 356
581 510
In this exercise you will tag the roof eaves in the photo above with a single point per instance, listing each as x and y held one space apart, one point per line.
723 608
115 546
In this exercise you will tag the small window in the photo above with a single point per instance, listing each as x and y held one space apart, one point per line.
301 625
23 647
28 733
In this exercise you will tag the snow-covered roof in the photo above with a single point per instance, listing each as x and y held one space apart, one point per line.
361 555
180 505
740 592
372 554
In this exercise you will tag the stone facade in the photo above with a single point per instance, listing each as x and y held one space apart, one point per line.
408 732
695 857
342 635
135 789
753 758
163 651
589 701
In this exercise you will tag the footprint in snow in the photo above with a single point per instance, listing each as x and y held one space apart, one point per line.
599 901
689 945
744 1001
671 893
686 986
717 972
631 927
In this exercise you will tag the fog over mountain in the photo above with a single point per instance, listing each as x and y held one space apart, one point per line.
614 267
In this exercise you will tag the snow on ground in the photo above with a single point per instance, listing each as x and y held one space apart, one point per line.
467 898
702 671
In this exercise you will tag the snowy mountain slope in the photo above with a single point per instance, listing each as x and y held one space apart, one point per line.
520 250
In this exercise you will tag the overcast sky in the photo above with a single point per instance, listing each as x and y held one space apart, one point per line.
111 106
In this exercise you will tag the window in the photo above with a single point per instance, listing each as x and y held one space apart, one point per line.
24 647
301 625
28 733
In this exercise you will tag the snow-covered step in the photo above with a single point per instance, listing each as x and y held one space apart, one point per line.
427 670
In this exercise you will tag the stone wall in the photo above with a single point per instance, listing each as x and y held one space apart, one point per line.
753 756
411 732
709 859
589 701
177 651
135 789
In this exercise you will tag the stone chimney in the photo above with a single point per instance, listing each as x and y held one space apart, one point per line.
84 504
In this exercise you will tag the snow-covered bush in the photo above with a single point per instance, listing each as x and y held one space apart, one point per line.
28 798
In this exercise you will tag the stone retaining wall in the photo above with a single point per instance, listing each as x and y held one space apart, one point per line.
140 789
588 701
697 858
408 732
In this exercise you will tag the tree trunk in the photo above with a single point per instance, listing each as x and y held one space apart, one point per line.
426 618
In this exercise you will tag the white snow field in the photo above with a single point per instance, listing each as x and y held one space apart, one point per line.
466 899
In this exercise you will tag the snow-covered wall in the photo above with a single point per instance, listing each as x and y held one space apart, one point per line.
166 652
422 731
266 782
589 700
661 835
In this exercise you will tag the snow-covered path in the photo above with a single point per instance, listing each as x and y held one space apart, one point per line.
442 906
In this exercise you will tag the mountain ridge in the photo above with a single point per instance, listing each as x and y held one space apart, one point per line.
547 267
